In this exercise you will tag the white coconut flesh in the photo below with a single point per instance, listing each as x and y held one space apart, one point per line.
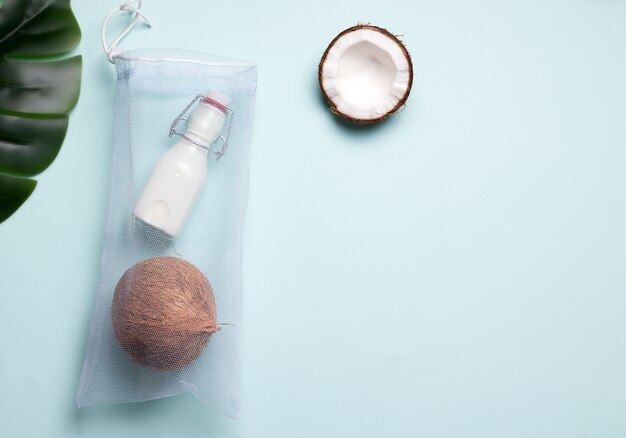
366 74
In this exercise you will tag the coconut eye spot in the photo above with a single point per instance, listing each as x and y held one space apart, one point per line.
365 75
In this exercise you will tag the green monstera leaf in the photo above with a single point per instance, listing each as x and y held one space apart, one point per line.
38 88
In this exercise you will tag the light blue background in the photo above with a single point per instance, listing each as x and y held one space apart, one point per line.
459 271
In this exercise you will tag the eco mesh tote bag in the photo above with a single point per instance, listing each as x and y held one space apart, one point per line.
168 301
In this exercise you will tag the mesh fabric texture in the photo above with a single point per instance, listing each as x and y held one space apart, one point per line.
153 86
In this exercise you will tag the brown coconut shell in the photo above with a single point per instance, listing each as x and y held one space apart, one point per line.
164 312
400 103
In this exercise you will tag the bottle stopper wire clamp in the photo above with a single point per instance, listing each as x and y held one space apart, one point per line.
182 117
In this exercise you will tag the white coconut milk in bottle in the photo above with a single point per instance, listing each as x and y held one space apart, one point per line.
179 175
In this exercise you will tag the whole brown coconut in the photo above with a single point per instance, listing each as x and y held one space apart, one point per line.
164 312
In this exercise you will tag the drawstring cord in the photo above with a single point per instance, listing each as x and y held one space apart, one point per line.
124 7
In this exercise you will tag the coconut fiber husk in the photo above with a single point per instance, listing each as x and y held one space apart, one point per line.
164 312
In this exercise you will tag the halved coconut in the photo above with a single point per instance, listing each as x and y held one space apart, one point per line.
365 74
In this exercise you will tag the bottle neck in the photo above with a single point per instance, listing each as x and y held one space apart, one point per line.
191 149
206 124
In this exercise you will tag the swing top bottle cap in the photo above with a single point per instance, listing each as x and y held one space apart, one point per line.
207 120
219 97
215 97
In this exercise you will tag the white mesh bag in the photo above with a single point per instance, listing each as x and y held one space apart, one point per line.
159 89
